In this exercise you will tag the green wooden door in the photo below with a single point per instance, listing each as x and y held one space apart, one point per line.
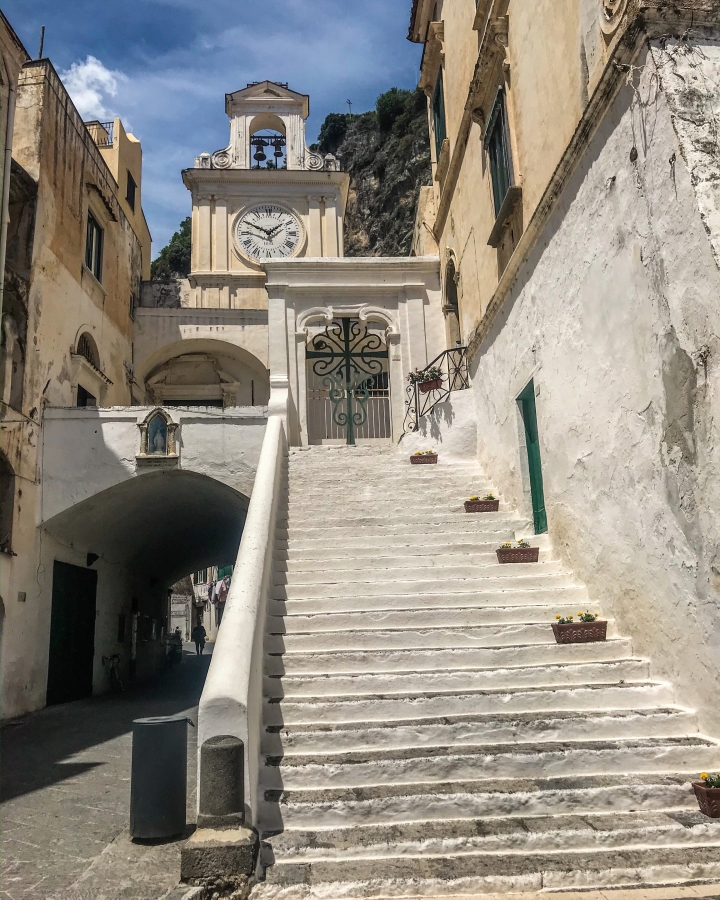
72 633
532 442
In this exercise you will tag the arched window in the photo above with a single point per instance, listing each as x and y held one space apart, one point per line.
157 435
87 348
7 504
267 142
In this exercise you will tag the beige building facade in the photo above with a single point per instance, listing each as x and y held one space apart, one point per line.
73 266
575 210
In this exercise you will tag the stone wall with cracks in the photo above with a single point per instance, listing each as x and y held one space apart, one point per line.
615 316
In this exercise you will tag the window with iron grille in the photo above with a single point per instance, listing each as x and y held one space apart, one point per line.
86 347
131 190
497 144
94 247
438 110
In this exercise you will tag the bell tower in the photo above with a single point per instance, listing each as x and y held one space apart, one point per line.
264 196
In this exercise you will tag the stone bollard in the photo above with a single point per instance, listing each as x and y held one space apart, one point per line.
222 783
222 846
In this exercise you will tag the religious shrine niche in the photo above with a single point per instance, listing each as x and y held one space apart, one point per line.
158 444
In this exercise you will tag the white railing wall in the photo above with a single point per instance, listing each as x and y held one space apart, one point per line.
232 699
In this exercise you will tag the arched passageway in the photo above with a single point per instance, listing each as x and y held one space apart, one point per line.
112 558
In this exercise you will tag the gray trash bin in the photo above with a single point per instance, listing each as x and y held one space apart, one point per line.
158 787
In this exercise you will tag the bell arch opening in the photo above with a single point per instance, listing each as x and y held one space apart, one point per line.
268 142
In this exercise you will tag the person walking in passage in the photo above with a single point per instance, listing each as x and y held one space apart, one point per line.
198 635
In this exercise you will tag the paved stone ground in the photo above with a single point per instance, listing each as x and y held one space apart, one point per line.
65 791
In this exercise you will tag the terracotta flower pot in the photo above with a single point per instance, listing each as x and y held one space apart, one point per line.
517 554
708 799
427 459
481 505
580 632
426 386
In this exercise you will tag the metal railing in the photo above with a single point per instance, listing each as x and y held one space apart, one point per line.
101 132
418 403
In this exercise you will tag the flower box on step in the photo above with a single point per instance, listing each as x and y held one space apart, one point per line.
579 632
426 386
523 553
473 506
708 797
424 459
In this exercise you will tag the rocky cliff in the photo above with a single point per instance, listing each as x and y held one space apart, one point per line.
387 155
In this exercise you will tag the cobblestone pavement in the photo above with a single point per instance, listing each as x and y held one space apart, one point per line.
65 791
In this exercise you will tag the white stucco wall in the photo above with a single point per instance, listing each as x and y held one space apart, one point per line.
616 319
87 450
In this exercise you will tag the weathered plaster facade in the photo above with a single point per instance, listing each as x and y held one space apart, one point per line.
601 289
67 336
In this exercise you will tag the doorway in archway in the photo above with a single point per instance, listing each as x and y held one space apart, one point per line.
72 633
348 386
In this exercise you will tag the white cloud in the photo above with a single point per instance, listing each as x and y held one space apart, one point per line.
90 84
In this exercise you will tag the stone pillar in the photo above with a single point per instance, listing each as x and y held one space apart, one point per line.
204 235
398 383
278 351
331 228
222 778
221 236
417 357
314 227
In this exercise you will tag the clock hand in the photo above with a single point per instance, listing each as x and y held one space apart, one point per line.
259 228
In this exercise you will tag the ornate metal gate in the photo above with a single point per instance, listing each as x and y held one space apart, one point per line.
348 379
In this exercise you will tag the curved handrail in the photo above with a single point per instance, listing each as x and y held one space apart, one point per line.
455 377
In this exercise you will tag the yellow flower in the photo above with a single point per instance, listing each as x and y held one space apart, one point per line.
558 616
704 776
474 498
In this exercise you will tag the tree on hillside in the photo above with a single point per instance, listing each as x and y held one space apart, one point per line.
173 261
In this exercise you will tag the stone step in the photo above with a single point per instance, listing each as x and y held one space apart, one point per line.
430 540
317 522
473 554
462 874
396 707
544 759
390 573
482 667
468 729
451 637
515 834
572 595
396 803
474 547
419 618
511 577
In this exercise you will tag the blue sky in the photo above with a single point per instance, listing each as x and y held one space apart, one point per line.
164 67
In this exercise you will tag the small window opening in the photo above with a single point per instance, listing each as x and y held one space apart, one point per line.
94 247
497 144
85 398
438 110
131 191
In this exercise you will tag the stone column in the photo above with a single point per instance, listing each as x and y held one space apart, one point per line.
300 346
397 383
415 334
204 234
331 228
314 227
278 362
221 236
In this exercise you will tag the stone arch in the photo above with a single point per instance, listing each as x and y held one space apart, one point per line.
267 121
87 348
204 372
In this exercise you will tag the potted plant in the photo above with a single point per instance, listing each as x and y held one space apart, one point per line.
423 457
429 379
523 553
487 504
587 629
707 792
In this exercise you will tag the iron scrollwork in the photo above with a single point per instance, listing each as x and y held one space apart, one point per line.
348 358
454 377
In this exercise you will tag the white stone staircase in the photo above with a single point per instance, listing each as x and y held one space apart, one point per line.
425 735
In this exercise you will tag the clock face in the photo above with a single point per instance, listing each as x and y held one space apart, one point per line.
268 232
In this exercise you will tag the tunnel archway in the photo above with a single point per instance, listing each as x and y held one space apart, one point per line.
140 536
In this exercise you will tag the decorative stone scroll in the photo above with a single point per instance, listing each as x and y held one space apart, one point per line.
611 15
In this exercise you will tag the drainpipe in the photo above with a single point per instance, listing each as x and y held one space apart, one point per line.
5 207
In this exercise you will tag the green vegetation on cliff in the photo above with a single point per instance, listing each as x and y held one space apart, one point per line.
173 261
386 152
